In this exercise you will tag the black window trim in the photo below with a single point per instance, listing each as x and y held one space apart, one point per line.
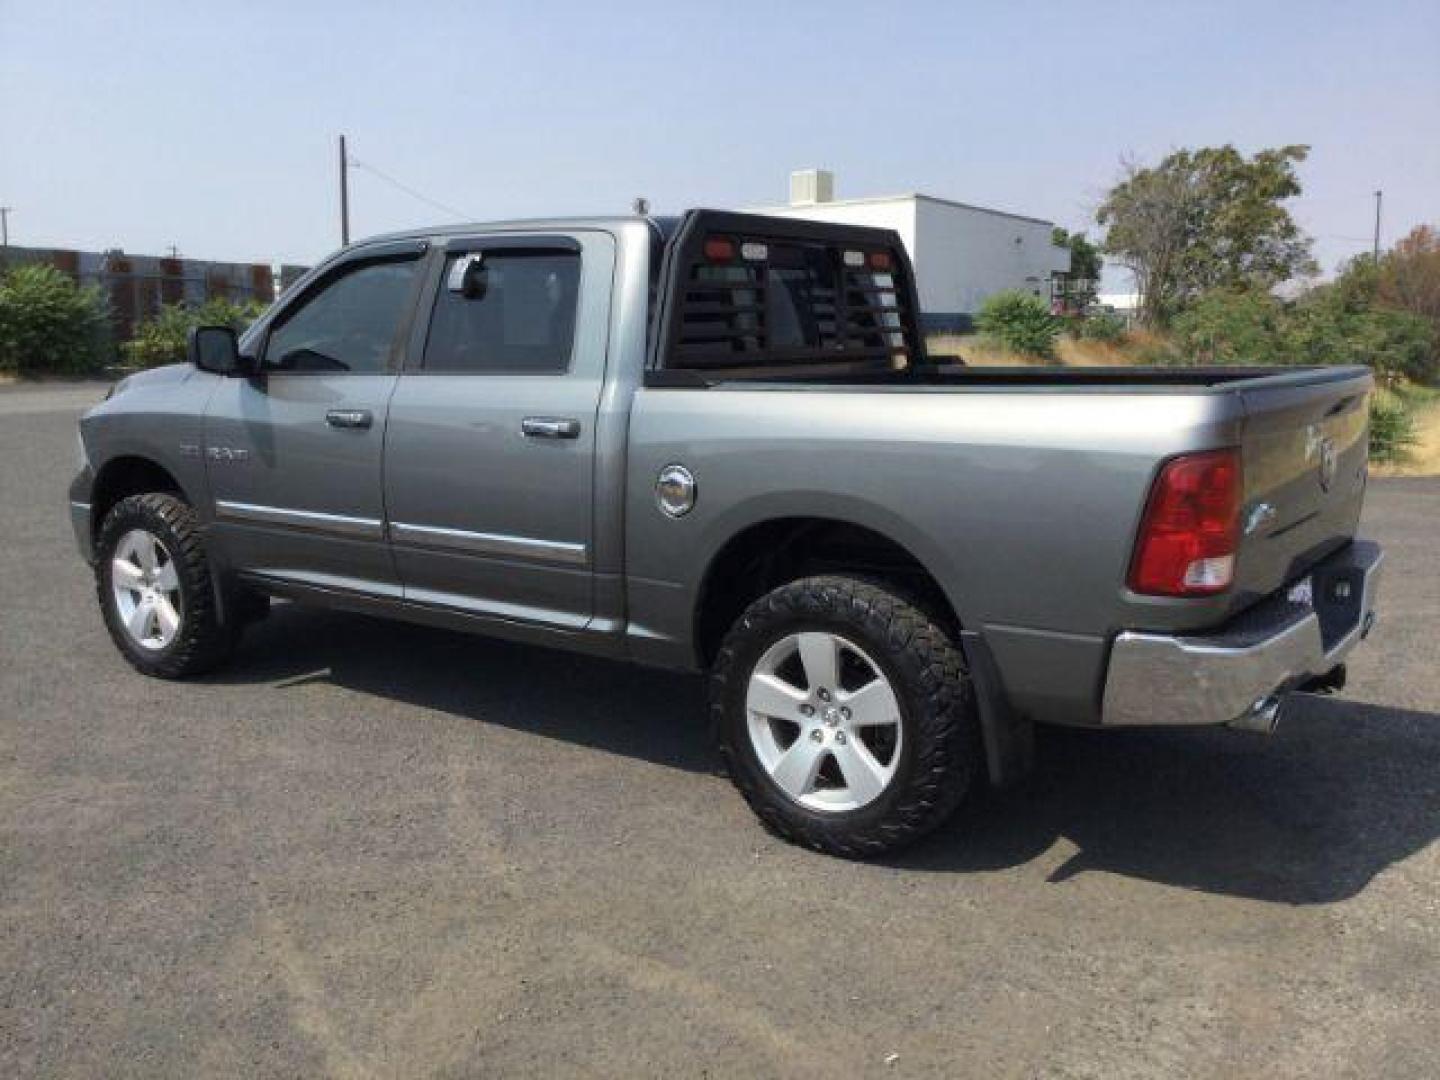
347 262
414 360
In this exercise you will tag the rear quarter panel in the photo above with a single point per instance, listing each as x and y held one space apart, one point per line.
1022 505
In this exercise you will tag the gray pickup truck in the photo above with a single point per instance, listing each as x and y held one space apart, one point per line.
716 442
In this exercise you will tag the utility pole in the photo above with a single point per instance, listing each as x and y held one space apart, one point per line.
1378 196
344 195
5 226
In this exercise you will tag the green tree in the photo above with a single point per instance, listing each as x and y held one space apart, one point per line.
1205 219
1020 321
1347 322
162 340
1408 276
50 325
1085 266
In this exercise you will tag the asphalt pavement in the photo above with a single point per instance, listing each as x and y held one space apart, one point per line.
370 849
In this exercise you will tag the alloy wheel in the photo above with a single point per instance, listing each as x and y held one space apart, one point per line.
145 583
824 721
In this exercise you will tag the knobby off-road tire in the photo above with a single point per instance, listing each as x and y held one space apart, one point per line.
927 758
164 622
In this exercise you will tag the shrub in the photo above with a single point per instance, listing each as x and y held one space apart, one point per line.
1233 327
1102 326
49 325
1392 428
161 340
1020 322
1329 324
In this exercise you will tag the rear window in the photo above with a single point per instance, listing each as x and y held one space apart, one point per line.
751 304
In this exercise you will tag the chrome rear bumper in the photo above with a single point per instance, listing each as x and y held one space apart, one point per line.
1235 674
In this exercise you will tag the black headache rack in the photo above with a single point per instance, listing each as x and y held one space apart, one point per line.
743 296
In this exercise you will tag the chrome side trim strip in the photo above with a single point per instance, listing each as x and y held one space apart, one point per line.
310 520
477 543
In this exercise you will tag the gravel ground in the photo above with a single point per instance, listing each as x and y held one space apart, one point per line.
368 849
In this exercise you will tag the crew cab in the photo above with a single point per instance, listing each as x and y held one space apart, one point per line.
717 443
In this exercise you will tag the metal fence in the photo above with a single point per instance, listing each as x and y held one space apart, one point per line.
137 286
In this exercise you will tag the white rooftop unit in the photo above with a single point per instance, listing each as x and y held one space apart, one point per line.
811 186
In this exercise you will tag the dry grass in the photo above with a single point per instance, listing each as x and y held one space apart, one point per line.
979 351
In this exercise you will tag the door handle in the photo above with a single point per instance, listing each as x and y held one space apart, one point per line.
550 427
349 418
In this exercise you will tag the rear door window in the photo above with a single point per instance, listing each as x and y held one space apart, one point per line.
504 313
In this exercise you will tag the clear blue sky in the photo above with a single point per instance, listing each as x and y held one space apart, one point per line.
212 126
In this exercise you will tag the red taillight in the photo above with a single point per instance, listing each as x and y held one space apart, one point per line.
719 249
1191 528
879 261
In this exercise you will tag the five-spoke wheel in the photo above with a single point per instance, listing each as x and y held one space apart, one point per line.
156 589
824 721
146 587
844 715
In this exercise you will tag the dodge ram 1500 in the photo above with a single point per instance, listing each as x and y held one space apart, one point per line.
716 442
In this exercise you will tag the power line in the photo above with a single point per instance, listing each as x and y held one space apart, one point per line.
408 190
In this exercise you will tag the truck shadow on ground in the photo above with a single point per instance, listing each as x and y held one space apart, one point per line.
1307 816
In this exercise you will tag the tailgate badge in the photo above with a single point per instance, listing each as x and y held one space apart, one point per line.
1261 515
1328 463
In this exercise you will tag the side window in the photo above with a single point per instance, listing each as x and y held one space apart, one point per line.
505 313
349 325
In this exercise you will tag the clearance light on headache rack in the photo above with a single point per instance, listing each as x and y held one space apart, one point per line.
719 249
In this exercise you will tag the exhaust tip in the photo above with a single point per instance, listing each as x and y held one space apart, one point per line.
1262 717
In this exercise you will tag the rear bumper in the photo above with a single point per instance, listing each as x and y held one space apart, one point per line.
1231 674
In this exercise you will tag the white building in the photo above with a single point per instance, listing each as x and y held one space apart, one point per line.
961 253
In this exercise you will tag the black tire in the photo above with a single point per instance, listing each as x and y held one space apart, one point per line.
940 749
201 641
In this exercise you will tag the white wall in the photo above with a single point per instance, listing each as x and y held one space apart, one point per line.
962 255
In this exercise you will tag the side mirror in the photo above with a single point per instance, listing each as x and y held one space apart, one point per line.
469 277
215 349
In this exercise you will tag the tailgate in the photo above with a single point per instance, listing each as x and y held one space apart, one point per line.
1304 452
